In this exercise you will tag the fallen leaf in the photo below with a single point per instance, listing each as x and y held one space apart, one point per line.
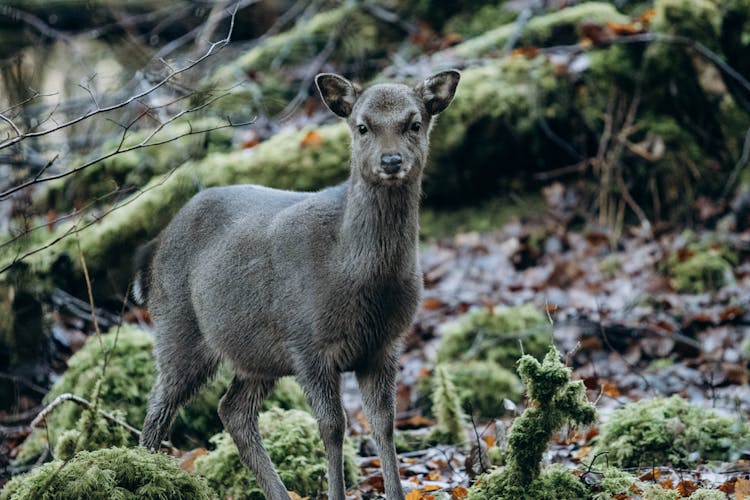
686 487
624 28
312 139
459 492
611 390
432 304
490 440
742 488
187 462
414 495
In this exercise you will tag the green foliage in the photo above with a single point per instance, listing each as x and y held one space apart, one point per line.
481 386
494 334
111 473
92 432
616 482
125 388
294 445
662 430
474 23
555 483
705 494
542 30
700 265
555 401
447 404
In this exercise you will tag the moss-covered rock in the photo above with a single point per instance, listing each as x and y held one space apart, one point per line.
116 473
481 386
295 447
555 400
125 388
494 334
669 430
559 27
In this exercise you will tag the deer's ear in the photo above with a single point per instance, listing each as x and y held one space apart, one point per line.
337 92
437 91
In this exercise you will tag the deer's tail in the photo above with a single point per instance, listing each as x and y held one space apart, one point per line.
142 271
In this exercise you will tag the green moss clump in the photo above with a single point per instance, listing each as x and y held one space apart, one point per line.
706 494
616 483
493 334
116 473
481 387
125 388
555 401
663 430
701 265
555 483
696 19
294 445
557 27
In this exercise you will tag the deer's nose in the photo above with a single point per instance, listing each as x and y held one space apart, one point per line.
391 164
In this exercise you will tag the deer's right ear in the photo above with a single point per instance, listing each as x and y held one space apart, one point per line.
337 92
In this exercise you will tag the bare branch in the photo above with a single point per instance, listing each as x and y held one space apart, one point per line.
212 49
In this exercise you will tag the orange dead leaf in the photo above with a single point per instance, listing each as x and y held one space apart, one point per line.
431 487
433 476
415 422
296 496
742 488
667 484
459 492
625 28
312 139
686 487
415 480
611 390
414 495
582 453
251 139
530 52
728 486
187 462
432 304
596 32
489 440
647 16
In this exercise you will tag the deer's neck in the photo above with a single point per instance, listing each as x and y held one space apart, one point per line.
379 229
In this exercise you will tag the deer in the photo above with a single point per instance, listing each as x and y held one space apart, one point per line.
309 284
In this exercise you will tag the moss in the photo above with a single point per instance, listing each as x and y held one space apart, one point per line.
116 473
657 492
616 483
559 27
361 37
125 388
447 404
474 23
664 430
699 20
92 432
481 386
494 334
294 445
700 265
706 494
555 400
137 167
555 483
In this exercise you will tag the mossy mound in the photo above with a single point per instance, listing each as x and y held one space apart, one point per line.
669 430
481 386
701 265
129 377
555 483
295 447
111 473
494 334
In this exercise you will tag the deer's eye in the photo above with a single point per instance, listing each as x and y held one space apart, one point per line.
362 129
416 127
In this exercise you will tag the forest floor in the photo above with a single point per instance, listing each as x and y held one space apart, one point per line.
617 320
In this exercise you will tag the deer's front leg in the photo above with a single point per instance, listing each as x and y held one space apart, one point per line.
323 389
377 382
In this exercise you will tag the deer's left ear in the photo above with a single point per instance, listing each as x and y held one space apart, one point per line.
437 91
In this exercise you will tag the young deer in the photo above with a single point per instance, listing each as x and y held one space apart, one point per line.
307 284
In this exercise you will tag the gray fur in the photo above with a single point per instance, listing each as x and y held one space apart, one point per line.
307 284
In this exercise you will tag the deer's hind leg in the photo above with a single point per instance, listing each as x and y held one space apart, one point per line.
239 410
183 367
